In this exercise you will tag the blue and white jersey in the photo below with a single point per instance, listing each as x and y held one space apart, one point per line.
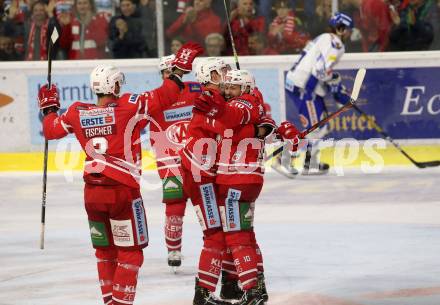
315 65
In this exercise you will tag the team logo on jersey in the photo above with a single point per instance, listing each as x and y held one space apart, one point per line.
210 205
178 132
178 114
140 223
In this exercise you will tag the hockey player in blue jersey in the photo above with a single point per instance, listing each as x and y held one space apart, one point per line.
308 82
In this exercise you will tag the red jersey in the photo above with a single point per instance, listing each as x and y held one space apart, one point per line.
240 158
110 134
169 129
199 153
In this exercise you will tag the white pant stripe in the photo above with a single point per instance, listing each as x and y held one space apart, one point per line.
248 281
207 283
174 247
173 239
209 274
122 301
247 272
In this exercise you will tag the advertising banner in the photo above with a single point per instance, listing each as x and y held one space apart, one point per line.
403 101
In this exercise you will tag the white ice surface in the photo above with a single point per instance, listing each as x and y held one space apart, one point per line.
351 240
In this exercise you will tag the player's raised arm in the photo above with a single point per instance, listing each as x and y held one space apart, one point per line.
168 93
54 126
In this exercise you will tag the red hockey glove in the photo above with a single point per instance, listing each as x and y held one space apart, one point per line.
185 56
288 131
48 100
266 127
209 105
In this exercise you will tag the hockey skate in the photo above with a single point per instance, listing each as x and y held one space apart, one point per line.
251 297
203 296
230 289
174 260
261 286
283 167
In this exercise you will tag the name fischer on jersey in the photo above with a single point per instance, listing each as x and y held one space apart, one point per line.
99 131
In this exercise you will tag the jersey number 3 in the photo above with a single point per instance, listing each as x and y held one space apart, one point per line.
100 145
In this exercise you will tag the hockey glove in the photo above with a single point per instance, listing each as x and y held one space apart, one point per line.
289 132
185 56
209 105
266 127
334 84
48 100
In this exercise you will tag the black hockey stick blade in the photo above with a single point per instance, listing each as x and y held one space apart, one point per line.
427 164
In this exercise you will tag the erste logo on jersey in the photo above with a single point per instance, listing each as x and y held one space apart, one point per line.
97 121
178 114
178 133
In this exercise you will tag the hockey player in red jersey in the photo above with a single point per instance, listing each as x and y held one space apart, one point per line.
198 172
108 133
168 133
240 179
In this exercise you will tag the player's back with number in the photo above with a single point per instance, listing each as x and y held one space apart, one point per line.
109 134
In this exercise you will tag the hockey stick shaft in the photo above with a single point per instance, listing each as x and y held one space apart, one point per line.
387 137
360 75
52 40
321 123
234 50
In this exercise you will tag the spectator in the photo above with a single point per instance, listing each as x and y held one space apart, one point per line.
196 23
214 45
148 19
7 51
375 25
264 8
436 23
283 35
243 23
176 44
352 8
258 45
414 31
85 35
126 39
36 33
319 24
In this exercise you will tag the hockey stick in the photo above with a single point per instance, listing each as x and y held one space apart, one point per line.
360 75
228 21
387 137
53 39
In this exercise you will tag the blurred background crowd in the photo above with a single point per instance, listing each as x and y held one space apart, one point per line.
98 29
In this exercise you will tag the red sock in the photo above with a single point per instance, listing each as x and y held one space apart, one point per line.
228 265
210 262
125 279
260 266
173 225
245 257
106 263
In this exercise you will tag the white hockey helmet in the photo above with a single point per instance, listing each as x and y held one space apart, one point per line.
208 65
244 78
166 61
103 79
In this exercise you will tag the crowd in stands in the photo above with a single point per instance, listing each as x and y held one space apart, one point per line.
94 29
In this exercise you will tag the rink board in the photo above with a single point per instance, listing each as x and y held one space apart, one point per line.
342 155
